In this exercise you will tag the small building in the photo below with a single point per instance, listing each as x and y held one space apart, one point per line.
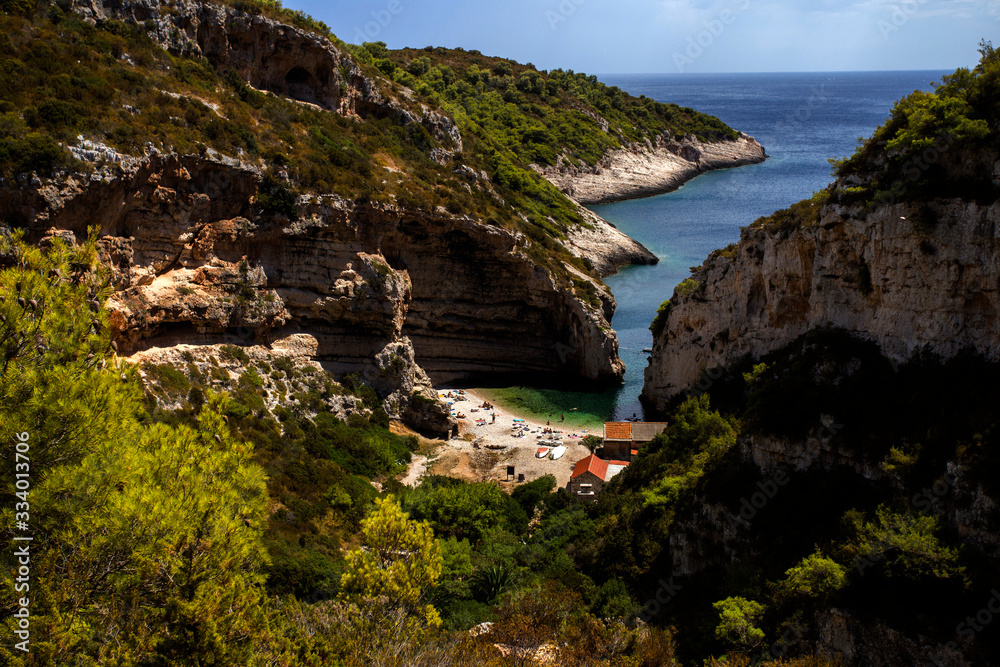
590 475
622 440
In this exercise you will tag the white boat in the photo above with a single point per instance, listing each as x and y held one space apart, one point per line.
557 452
542 452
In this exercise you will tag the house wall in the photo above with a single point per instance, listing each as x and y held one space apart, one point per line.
577 486
617 449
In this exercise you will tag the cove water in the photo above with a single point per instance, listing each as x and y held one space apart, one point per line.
802 119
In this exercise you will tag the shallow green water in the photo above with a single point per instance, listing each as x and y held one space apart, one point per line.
593 408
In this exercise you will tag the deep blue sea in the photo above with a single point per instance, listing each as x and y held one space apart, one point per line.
802 119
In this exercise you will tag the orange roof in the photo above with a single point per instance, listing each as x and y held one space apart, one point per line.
618 431
591 464
635 452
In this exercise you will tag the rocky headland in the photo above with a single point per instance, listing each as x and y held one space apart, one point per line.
196 260
650 168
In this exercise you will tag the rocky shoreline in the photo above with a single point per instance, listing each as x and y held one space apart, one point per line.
605 245
643 170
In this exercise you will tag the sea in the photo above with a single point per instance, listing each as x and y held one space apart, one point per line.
802 120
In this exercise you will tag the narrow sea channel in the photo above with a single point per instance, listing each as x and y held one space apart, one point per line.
802 119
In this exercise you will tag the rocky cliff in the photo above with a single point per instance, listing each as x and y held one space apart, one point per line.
270 55
195 263
853 336
650 168
910 276
360 285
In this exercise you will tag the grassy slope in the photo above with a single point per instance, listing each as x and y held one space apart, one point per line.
111 84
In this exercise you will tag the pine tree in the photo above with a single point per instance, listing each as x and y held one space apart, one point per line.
147 538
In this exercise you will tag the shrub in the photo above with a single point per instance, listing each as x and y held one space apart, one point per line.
660 321
275 197
816 576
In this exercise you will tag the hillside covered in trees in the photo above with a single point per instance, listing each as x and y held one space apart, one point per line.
239 507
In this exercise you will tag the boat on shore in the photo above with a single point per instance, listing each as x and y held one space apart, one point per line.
557 452
542 452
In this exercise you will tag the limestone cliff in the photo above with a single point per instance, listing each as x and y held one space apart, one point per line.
195 263
270 55
868 317
397 291
650 168
880 274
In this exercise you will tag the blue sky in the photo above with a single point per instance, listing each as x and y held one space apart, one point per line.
638 36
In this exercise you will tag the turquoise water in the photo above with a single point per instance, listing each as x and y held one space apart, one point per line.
801 119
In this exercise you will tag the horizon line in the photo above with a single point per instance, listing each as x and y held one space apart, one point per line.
844 71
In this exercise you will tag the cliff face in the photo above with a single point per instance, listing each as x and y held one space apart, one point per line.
194 263
641 170
389 292
270 56
907 276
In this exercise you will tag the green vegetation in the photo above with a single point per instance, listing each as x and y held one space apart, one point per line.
533 114
128 541
113 84
921 150
737 623
804 214
815 576
592 443
396 565
271 502
660 321
220 512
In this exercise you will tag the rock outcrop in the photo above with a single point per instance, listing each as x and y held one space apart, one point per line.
644 169
272 56
910 277
398 296
194 262
605 246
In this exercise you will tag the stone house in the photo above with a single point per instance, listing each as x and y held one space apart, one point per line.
622 440
590 475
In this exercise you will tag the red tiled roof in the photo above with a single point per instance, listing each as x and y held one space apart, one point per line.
617 463
591 464
618 431
634 452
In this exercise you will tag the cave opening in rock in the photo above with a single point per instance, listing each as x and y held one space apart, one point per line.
300 84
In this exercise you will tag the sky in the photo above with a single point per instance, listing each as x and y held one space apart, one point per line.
669 36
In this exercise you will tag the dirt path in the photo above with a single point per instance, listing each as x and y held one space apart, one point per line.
416 471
